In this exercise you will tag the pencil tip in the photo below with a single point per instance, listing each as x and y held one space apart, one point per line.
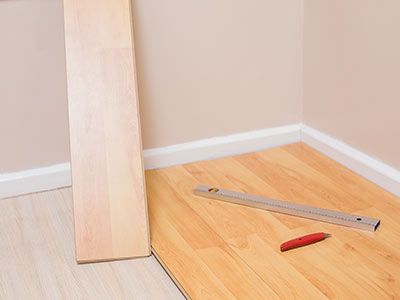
327 235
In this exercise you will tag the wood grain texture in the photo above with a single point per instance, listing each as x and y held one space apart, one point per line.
37 258
110 207
219 250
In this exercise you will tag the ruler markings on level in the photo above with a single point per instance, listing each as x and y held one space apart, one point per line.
295 209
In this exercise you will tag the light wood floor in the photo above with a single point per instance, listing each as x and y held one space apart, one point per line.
37 257
219 250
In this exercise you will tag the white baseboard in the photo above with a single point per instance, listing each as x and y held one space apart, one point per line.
57 176
374 170
35 180
216 147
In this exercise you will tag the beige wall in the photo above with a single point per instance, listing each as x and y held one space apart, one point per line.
352 73
205 68
209 68
33 106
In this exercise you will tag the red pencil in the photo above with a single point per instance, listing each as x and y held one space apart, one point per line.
304 240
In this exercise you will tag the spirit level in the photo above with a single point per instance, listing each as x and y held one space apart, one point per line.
295 209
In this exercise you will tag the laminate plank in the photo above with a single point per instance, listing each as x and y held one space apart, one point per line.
354 184
274 269
316 182
110 210
232 175
236 274
352 264
263 260
190 227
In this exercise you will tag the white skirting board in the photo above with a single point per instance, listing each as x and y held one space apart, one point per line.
216 147
35 180
57 176
371 168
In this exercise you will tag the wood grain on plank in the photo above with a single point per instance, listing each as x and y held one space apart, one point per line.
110 209
222 238
190 252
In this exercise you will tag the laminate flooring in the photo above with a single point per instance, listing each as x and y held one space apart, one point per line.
218 250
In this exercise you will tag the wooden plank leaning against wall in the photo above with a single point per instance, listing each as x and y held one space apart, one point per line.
109 195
